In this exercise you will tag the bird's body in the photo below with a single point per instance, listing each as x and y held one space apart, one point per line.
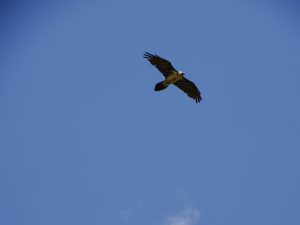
172 76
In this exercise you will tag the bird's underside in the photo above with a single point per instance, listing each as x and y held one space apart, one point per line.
171 79
172 76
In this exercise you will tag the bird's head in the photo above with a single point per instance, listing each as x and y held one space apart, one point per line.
181 73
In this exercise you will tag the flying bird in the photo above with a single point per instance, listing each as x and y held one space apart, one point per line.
172 76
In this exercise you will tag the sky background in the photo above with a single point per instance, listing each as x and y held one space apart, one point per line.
84 139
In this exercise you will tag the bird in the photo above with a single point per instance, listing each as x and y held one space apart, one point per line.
173 76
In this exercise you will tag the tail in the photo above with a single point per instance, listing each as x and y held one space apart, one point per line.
160 86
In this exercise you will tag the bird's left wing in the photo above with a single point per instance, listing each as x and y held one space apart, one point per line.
163 65
189 88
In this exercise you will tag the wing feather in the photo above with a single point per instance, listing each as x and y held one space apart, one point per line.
163 65
189 88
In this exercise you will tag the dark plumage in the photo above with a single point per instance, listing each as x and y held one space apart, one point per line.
172 76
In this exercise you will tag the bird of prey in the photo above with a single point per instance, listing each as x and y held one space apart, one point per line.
172 76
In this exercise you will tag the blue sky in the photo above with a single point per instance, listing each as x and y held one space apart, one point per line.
86 141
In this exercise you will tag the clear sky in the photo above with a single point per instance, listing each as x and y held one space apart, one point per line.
85 140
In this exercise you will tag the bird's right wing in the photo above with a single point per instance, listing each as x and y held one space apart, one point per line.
163 65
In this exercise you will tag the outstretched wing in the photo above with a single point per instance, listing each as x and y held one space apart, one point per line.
189 88
163 65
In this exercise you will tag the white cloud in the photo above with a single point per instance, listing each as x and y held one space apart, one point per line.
188 216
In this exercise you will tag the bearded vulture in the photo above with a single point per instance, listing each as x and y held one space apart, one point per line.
172 76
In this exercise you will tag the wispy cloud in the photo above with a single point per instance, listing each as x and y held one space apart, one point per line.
189 216
128 213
